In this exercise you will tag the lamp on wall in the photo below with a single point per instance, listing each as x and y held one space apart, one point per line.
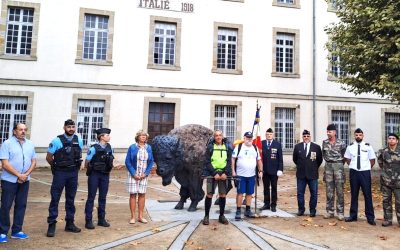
162 94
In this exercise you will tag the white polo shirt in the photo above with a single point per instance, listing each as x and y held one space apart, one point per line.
366 154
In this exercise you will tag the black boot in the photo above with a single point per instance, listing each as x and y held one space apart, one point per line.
70 227
103 223
51 231
89 224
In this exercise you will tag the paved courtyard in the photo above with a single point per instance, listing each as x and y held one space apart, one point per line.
172 229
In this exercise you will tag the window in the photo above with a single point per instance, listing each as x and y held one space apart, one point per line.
335 71
225 120
287 3
332 5
95 37
12 110
161 118
89 118
164 43
341 119
19 37
227 56
164 49
285 127
286 51
392 124
227 49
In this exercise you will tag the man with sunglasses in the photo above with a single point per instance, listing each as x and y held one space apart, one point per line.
65 157
308 157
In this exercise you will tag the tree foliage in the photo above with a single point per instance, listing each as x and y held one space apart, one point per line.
367 41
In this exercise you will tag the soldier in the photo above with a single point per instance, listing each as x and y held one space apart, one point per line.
218 165
99 163
332 151
64 156
361 158
389 161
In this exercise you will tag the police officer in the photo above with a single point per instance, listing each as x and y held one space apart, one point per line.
389 161
217 165
99 163
272 159
64 156
333 150
361 158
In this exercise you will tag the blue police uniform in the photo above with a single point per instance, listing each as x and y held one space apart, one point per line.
64 175
98 172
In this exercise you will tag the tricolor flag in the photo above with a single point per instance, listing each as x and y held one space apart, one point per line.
256 125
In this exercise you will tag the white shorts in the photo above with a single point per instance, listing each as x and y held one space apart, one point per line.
134 186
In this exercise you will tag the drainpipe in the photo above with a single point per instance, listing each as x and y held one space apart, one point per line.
313 73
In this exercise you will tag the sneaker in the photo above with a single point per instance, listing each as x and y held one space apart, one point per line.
3 238
340 217
328 216
206 220
20 235
223 220
249 214
238 215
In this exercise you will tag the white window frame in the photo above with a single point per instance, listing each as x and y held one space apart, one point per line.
342 119
285 37
90 137
20 23
227 56
393 125
96 30
166 27
285 121
285 1
15 102
229 130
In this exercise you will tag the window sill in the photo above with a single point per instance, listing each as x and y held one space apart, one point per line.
164 67
285 75
227 71
18 57
240 1
98 63
286 5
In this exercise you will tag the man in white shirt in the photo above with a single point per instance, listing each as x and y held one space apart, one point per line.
245 160
360 157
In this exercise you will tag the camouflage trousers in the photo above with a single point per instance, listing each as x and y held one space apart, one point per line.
334 178
387 192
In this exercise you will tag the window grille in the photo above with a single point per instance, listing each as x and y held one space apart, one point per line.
19 31
12 110
164 43
286 1
95 38
284 126
284 53
225 120
341 119
227 49
90 117
392 121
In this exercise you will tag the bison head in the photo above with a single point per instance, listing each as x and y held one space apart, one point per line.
168 155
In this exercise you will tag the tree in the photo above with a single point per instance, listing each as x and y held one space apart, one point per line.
365 44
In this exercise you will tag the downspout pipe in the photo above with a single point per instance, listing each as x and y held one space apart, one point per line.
313 71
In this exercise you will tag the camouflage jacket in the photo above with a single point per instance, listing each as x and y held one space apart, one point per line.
389 161
335 152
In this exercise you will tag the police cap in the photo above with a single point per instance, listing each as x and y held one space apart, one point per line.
358 130
103 131
69 122
331 127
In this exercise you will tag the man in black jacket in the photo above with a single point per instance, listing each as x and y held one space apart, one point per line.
273 168
217 169
308 157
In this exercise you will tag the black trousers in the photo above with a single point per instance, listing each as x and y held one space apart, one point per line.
270 198
361 179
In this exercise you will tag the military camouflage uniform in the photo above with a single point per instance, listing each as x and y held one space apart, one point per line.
389 161
334 175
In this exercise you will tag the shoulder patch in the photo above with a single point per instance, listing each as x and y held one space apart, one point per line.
351 143
367 143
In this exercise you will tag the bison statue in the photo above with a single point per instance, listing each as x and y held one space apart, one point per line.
181 153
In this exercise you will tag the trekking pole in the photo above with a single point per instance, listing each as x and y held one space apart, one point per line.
255 197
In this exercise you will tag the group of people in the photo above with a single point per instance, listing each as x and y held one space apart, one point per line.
64 155
244 164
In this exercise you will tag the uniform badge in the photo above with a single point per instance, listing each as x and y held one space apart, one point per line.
313 156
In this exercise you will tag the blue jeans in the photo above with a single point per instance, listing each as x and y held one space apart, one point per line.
301 189
11 192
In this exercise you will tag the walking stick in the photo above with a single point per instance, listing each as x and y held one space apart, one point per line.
255 198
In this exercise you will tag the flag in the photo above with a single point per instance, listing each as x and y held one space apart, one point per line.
256 125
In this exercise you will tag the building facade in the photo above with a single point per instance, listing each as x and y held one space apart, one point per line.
158 64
